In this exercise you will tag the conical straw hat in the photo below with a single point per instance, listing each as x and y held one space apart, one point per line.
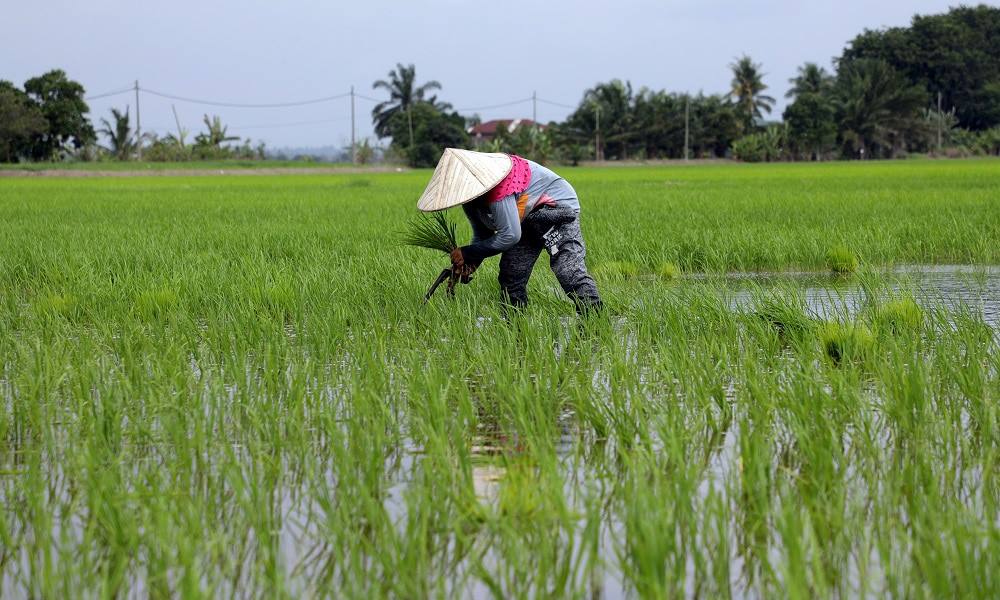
461 176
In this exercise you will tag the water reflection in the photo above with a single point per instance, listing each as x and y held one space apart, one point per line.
954 287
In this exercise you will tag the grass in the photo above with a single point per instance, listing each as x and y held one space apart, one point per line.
229 386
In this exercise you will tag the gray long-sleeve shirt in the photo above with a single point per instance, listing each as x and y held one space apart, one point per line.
496 226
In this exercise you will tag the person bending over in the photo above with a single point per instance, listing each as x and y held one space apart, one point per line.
517 208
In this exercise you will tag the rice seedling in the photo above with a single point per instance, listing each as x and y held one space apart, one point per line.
786 313
616 270
841 260
846 342
210 388
897 315
668 271
435 232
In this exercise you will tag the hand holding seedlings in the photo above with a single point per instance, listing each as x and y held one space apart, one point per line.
438 233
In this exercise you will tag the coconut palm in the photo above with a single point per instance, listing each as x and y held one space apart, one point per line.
605 116
747 89
812 79
876 106
403 93
120 141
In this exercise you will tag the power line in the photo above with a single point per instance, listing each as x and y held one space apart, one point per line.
261 126
242 105
303 102
559 104
107 94
296 124
512 103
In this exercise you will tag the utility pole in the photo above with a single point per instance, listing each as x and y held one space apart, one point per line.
534 120
939 123
597 136
409 124
180 132
138 124
687 105
354 146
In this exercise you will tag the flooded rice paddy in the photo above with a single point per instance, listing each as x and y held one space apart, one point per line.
228 387
596 488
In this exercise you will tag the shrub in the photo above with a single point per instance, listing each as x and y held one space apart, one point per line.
764 146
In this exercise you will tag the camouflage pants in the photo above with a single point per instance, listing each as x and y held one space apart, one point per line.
567 265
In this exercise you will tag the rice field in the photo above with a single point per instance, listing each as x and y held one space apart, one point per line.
228 387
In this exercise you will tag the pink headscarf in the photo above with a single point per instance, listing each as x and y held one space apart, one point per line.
514 183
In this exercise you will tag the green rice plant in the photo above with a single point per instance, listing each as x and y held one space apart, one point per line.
156 303
59 305
616 270
435 232
841 260
668 271
786 314
846 342
897 316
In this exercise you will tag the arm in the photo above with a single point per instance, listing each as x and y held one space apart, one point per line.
479 231
507 235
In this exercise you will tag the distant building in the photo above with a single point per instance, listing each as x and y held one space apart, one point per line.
486 131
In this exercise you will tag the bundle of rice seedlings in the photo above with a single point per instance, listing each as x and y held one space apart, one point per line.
841 260
436 232
843 342
897 316
788 315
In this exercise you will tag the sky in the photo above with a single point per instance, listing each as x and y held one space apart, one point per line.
482 53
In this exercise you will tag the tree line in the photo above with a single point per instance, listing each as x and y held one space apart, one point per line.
931 87
47 120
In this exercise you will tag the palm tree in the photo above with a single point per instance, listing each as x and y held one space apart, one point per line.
812 79
876 105
403 93
119 135
216 134
747 88
604 116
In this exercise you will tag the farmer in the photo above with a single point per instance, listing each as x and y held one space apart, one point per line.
517 208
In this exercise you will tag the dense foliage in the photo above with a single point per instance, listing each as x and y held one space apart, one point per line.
433 129
956 54
44 120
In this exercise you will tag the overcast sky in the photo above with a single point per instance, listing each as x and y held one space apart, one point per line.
483 53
